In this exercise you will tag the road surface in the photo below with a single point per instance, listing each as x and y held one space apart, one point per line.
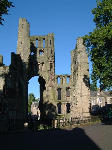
94 137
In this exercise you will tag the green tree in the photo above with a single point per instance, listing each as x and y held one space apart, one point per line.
93 87
4 8
99 44
31 98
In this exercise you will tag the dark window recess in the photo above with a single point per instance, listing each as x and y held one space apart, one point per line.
59 108
58 80
42 63
68 92
59 93
50 42
68 107
51 51
42 66
36 43
51 66
43 43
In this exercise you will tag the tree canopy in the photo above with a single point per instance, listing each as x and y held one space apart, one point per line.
4 8
99 45
31 98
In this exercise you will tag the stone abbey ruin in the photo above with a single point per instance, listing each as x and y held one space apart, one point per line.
66 96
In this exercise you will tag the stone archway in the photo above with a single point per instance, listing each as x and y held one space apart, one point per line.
42 87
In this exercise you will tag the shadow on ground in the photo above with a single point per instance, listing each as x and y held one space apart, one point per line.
52 139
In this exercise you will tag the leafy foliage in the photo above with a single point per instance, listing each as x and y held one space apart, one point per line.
31 98
4 5
99 44
93 86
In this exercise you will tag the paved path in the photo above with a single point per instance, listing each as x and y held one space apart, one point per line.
101 135
95 137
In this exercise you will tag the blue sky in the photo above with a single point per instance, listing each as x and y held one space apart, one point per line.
67 19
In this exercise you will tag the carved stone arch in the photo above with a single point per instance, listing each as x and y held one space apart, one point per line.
33 69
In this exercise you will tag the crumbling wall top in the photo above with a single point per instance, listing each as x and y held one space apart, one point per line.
80 44
35 37
22 20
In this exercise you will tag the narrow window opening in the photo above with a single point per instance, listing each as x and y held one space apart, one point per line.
59 93
68 107
36 43
51 66
59 108
43 43
51 51
58 80
50 42
68 92
43 66
68 80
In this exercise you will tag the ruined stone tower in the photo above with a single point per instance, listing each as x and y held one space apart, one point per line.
65 96
37 53
80 79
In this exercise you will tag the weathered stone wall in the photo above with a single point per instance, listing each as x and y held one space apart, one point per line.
63 93
23 43
80 80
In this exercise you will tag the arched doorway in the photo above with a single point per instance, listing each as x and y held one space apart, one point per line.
36 86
